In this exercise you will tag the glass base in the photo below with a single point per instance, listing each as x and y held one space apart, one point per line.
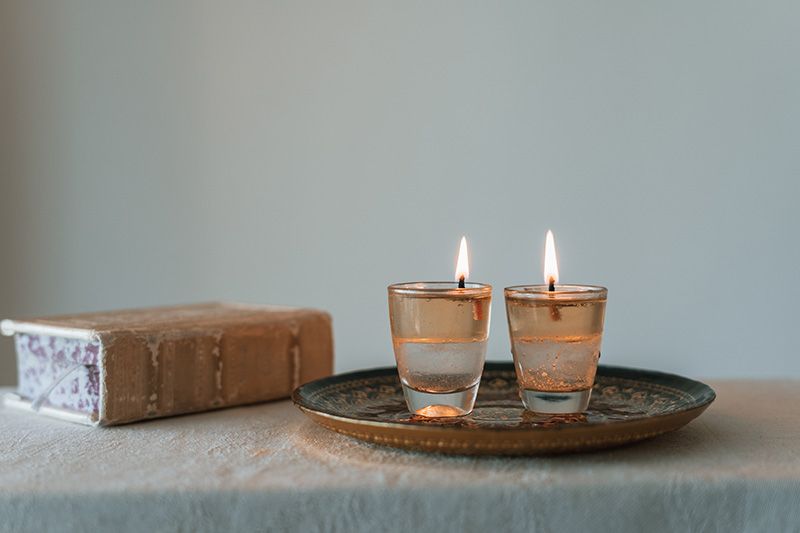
556 403
437 404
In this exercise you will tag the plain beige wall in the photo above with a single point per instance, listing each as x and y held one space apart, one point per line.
310 153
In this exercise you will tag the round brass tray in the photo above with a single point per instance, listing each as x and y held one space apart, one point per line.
627 405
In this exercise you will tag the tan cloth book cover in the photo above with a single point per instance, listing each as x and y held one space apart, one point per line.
116 367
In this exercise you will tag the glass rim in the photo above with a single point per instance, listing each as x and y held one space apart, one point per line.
435 289
562 292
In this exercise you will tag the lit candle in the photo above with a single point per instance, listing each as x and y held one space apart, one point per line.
439 334
556 332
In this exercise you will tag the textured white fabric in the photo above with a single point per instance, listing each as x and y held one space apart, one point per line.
267 468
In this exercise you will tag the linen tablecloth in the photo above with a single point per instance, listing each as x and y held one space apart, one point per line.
267 468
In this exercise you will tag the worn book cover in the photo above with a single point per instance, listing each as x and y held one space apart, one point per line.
122 366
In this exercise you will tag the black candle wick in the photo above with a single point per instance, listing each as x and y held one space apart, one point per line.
552 286
461 284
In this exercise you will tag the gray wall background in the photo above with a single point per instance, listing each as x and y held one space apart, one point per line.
310 153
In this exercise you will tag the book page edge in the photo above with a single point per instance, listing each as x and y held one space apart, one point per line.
15 401
11 327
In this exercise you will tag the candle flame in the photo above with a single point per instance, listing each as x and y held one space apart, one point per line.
550 261
462 266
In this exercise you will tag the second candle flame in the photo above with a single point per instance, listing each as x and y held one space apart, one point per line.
550 261
462 266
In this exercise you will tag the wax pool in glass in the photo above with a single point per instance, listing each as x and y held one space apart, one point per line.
439 333
555 340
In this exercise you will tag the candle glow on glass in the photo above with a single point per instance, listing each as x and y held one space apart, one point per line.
462 266
550 261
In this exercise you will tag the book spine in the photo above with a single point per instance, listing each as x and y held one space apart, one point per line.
162 373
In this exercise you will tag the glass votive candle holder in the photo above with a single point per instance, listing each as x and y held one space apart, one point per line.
439 334
555 341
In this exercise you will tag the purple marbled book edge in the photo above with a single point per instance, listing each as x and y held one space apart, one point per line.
43 359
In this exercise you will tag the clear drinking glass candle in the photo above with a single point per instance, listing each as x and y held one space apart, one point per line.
555 340
439 333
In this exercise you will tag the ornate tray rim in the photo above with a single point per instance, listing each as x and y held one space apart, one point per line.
514 441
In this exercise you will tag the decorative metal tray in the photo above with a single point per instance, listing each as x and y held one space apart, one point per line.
627 405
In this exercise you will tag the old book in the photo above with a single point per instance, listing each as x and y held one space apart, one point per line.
121 366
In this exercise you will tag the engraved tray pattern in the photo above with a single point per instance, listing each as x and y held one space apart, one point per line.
626 405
